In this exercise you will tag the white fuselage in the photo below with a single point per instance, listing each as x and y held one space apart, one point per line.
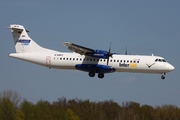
122 63
88 60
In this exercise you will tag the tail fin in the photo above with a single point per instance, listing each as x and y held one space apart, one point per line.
23 43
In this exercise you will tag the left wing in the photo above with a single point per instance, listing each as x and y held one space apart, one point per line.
79 49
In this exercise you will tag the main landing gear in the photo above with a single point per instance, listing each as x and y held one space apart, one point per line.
92 74
101 75
163 76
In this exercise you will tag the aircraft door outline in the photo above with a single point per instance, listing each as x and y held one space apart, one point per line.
48 61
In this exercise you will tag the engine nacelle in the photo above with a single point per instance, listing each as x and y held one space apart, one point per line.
95 67
98 54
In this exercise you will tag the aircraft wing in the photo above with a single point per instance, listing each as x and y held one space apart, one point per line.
78 49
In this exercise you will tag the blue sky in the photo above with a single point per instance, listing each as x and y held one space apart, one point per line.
145 27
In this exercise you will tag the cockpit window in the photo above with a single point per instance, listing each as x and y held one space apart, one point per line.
163 60
160 60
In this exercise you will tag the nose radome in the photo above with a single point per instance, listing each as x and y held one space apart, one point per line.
171 67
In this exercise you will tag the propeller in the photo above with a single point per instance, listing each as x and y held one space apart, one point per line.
109 54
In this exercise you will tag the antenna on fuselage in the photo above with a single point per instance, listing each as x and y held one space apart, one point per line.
126 51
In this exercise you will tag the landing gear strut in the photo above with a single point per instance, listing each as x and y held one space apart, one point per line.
163 76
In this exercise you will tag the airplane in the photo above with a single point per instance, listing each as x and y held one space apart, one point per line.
93 61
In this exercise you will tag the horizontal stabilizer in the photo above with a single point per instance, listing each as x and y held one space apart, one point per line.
17 29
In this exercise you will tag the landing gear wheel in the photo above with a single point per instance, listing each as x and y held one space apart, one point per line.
101 75
163 77
91 74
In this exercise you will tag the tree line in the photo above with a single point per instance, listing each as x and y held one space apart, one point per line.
12 107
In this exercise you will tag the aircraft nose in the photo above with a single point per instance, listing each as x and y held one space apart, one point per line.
171 68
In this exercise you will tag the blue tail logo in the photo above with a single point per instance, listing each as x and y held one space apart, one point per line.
24 42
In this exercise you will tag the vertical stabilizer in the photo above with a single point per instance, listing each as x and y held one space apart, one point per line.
23 43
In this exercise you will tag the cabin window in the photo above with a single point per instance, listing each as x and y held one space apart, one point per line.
104 60
73 58
66 58
76 59
127 61
124 60
117 60
69 58
63 58
121 61
114 60
137 61
134 61
110 60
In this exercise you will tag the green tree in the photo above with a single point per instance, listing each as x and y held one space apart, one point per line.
76 109
167 112
42 111
58 109
109 109
13 96
131 110
147 112
19 115
7 109
28 109
72 115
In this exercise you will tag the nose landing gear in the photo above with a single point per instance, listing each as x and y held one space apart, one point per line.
163 76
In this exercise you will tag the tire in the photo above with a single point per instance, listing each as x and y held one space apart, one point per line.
91 74
101 75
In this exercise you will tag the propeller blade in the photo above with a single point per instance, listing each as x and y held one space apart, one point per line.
109 54
107 61
110 48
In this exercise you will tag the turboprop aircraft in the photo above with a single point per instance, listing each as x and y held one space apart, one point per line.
84 59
